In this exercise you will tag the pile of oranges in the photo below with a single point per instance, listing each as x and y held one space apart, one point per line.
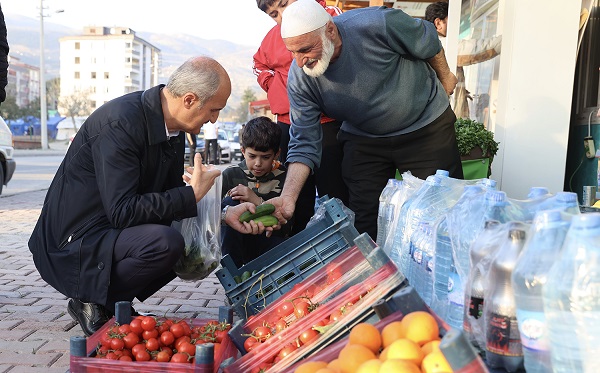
407 346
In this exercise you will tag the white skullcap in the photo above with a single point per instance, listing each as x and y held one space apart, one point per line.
302 17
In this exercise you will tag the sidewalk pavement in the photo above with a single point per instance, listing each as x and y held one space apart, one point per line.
35 327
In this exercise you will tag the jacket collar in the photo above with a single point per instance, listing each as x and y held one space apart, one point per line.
155 120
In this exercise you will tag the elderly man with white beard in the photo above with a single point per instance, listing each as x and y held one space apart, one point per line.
385 76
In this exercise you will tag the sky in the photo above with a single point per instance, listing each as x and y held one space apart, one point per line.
238 21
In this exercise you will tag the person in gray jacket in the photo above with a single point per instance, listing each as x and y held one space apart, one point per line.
384 74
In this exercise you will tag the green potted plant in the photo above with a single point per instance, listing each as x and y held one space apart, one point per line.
477 148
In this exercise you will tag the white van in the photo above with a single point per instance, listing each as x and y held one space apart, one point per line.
7 163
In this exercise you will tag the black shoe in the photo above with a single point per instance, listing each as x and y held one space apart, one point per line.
91 316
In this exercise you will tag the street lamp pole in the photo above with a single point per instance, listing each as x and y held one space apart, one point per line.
43 108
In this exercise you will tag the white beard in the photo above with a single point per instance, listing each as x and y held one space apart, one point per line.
323 63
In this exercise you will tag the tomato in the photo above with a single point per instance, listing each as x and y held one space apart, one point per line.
181 340
125 358
287 350
142 355
152 344
177 330
167 338
302 308
250 343
117 344
131 339
261 368
168 350
187 330
124 329
323 322
220 335
148 323
138 347
111 356
262 333
280 325
163 327
179 358
187 347
336 316
136 326
286 309
147 334
308 335
163 357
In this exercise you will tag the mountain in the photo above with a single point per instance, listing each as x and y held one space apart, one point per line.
23 38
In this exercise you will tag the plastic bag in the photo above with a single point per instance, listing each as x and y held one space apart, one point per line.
202 235
321 211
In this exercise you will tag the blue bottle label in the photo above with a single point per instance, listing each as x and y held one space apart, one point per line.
455 289
532 326
428 261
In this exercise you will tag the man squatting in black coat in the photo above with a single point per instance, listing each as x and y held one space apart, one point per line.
104 234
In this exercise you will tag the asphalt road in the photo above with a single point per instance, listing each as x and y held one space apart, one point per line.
35 172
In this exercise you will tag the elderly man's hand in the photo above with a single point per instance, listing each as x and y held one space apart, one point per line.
232 219
202 177
284 208
449 82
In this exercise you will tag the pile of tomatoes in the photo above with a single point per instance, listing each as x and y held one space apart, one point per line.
147 338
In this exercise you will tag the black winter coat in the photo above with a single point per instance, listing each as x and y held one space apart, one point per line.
120 171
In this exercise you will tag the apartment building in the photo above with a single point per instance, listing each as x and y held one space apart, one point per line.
107 62
23 82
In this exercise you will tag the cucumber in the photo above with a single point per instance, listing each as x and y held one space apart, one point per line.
267 220
261 210
237 279
246 275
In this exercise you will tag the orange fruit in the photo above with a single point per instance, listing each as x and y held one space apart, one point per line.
407 350
310 367
367 335
335 365
327 370
420 327
435 362
398 366
392 332
383 354
352 356
369 366
431 346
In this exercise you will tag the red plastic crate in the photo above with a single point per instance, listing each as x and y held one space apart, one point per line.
94 365
375 283
402 303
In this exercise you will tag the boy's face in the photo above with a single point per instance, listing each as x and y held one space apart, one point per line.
276 10
259 163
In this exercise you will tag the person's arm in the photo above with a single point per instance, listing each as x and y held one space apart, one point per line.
440 65
3 57
285 204
264 73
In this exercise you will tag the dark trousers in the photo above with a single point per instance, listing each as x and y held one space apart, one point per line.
143 261
327 178
370 162
191 139
243 248
211 149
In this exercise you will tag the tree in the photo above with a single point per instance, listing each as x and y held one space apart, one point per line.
76 105
52 93
243 110
9 109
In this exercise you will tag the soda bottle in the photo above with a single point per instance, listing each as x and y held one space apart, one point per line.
572 298
539 253
503 342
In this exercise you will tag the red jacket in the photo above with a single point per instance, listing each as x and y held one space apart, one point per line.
271 65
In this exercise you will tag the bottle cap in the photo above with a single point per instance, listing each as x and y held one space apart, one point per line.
535 192
496 197
566 197
442 173
489 183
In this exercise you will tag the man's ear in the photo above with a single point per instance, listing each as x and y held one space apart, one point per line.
330 30
190 100
438 23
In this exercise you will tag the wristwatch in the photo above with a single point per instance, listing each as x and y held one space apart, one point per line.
224 213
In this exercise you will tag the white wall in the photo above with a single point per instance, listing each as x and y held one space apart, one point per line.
535 90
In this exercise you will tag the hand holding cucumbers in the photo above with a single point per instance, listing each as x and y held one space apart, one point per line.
262 214
243 218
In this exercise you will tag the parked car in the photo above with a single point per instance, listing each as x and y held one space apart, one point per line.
7 163
234 143
223 153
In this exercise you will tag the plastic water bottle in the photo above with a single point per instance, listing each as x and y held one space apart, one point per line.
539 253
482 251
538 192
448 299
572 299
503 342
565 201
488 184
385 213
422 261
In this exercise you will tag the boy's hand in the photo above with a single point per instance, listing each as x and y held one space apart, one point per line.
244 194
232 219
201 177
